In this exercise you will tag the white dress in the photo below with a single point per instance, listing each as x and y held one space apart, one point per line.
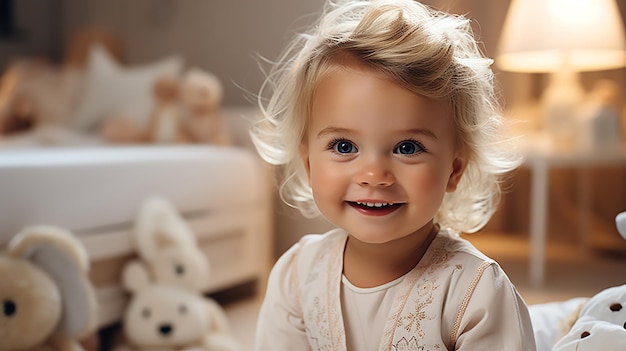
455 298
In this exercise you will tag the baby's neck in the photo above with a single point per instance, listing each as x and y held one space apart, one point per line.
370 265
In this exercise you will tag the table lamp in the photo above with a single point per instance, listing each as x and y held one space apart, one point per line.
563 38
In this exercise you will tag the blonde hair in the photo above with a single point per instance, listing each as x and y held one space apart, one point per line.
429 52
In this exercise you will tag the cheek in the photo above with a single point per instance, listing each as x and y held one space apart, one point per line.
430 179
324 178
319 173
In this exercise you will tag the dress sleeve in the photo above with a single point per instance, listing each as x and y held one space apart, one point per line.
280 326
496 317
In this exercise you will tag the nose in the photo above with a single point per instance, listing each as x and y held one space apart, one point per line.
375 173
166 329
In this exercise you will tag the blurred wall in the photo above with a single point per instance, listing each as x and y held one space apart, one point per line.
227 37
30 28
222 36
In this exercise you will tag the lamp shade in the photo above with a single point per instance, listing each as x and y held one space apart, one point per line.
550 35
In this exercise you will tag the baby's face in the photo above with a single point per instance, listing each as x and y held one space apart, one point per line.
379 157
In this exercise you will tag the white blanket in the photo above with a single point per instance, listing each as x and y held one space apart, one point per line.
550 319
49 136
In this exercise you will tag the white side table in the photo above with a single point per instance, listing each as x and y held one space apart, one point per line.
540 156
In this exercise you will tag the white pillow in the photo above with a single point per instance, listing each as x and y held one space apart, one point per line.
110 88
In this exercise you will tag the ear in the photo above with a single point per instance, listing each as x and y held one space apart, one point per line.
163 239
217 317
159 225
63 258
458 167
135 276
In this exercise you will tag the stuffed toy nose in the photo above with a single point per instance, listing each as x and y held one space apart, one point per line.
166 329
9 308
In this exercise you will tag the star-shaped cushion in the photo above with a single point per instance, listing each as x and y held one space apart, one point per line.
110 88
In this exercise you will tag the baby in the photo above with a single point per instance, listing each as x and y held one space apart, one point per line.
384 120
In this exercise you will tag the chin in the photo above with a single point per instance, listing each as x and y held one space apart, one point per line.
373 237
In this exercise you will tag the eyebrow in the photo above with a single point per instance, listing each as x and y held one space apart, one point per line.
336 130
425 132
332 130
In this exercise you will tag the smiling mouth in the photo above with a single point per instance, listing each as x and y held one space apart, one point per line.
375 208
374 204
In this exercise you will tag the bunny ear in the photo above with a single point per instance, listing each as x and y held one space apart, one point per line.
620 222
217 315
135 276
59 254
159 225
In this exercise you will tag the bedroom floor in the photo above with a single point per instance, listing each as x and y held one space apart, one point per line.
571 272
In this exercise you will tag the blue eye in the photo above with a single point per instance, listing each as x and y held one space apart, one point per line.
343 146
409 147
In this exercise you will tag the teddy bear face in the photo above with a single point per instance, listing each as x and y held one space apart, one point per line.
166 89
165 316
31 304
588 335
601 324
187 268
200 100
608 305
201 92
611 311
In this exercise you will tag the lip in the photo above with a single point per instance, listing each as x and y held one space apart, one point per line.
375 211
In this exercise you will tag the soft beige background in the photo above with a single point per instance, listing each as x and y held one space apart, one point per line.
228 36
223 36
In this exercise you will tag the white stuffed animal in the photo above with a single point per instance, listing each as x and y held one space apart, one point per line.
165 317
593 335
168 247
601 323
48 301
620 223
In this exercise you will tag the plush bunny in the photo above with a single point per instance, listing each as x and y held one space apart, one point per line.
47 299
168 247
166 317
171 271
601 322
